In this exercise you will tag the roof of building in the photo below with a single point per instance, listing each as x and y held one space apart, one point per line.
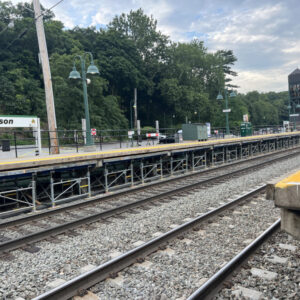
296 71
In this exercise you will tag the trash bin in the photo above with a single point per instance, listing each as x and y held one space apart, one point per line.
5 145
246 129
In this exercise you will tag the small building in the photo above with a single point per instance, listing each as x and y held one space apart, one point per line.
194 132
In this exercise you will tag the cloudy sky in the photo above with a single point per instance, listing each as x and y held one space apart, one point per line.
264 34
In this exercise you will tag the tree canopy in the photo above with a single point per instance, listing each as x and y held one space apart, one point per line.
175 81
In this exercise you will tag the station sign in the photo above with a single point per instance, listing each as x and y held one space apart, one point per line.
93 131
294 115
208 127
226 110
245 118
130 134
18 121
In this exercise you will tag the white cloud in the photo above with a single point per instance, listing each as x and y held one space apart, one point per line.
294 48
264 35
263 81
160 9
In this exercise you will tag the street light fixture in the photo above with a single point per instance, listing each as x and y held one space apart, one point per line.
195 113
226 110
74 74
172 120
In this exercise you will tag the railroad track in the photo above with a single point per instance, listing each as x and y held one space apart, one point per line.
272 273
215 283
110 269
83 213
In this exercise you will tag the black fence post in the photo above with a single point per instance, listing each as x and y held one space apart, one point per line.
76 140
15 138
49 142
100 142
120 137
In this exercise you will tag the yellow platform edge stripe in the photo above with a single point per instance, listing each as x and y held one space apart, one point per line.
293 179
139 149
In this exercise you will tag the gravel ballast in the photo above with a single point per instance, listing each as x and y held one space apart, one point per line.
279 255
196 257
28 274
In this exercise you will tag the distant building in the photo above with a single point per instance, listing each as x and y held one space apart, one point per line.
294 93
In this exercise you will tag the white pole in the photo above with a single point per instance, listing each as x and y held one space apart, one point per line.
39 136
138 125
135 108
157 129
83 124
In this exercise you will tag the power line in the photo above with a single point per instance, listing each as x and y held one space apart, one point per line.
49 9
55 4
9 25
24 31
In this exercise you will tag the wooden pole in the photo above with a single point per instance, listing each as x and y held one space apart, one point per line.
47 76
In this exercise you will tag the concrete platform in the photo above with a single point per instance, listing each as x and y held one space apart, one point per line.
123 154
286 195
290 222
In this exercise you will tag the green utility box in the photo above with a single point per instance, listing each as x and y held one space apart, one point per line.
246 129
194 132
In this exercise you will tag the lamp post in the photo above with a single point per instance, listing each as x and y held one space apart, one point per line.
226 110
130 114
197 113
172 120
132 106
74 74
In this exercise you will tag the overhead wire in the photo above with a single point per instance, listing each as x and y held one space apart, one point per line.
24 31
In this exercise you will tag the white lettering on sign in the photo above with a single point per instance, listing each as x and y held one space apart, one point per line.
7 121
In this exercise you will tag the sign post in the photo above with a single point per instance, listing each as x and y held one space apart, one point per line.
157 129
83 125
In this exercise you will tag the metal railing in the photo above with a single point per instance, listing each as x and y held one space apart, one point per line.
20 143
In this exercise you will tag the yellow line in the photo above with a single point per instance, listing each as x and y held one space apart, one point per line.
293 179
167 147
82 186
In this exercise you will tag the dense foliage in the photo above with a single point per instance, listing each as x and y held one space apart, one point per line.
175 81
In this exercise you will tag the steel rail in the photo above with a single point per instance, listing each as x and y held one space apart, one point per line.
96 199
211 287
88 279
43 234
56 230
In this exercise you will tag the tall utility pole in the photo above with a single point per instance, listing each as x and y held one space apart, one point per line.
135 108
47 76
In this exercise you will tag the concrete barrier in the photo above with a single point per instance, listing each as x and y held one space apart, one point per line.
286 196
